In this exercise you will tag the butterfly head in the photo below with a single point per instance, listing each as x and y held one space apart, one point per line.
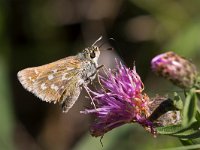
92 53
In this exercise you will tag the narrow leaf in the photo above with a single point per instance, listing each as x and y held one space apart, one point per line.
178 103
186 142
190 132
190 109
198 116
169 130
197 146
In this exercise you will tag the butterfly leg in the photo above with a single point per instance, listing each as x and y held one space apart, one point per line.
89 80
92 76
99 81
88 92
99 67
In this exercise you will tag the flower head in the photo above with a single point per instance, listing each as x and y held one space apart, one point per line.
120 101
175 68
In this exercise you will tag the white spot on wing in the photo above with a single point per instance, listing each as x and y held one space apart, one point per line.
54 87
43 86
54 70
30 78
65 78
69 68
50 77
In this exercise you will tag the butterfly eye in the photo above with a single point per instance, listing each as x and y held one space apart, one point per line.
92 55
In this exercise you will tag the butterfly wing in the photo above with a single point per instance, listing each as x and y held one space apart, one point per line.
53 82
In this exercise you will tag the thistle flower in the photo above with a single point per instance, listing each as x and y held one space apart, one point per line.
120 101
178 70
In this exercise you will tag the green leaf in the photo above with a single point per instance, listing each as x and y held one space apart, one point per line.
180 131
169 130
190 141
196 141
198 116
186 142
178 103
190 109
190 132
197 146
197 84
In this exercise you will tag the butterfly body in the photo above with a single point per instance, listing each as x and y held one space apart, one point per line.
61 81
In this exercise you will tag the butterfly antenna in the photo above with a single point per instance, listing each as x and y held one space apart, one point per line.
97 40
110 48
112 39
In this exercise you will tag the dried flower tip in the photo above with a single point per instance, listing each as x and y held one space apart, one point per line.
164 112
175 68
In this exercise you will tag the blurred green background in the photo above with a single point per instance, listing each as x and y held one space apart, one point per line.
35 32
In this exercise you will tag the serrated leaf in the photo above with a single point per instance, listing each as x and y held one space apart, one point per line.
190 132
169 130
190 109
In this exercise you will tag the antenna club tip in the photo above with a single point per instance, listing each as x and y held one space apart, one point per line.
110 48
100 38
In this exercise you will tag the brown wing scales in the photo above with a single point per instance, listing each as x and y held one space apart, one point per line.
27 77
52 90
48 82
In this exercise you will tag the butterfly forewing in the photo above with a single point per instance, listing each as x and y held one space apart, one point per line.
49 82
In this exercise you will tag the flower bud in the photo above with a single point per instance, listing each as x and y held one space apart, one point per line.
175 68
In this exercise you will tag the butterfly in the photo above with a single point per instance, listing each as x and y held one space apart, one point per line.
61 81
